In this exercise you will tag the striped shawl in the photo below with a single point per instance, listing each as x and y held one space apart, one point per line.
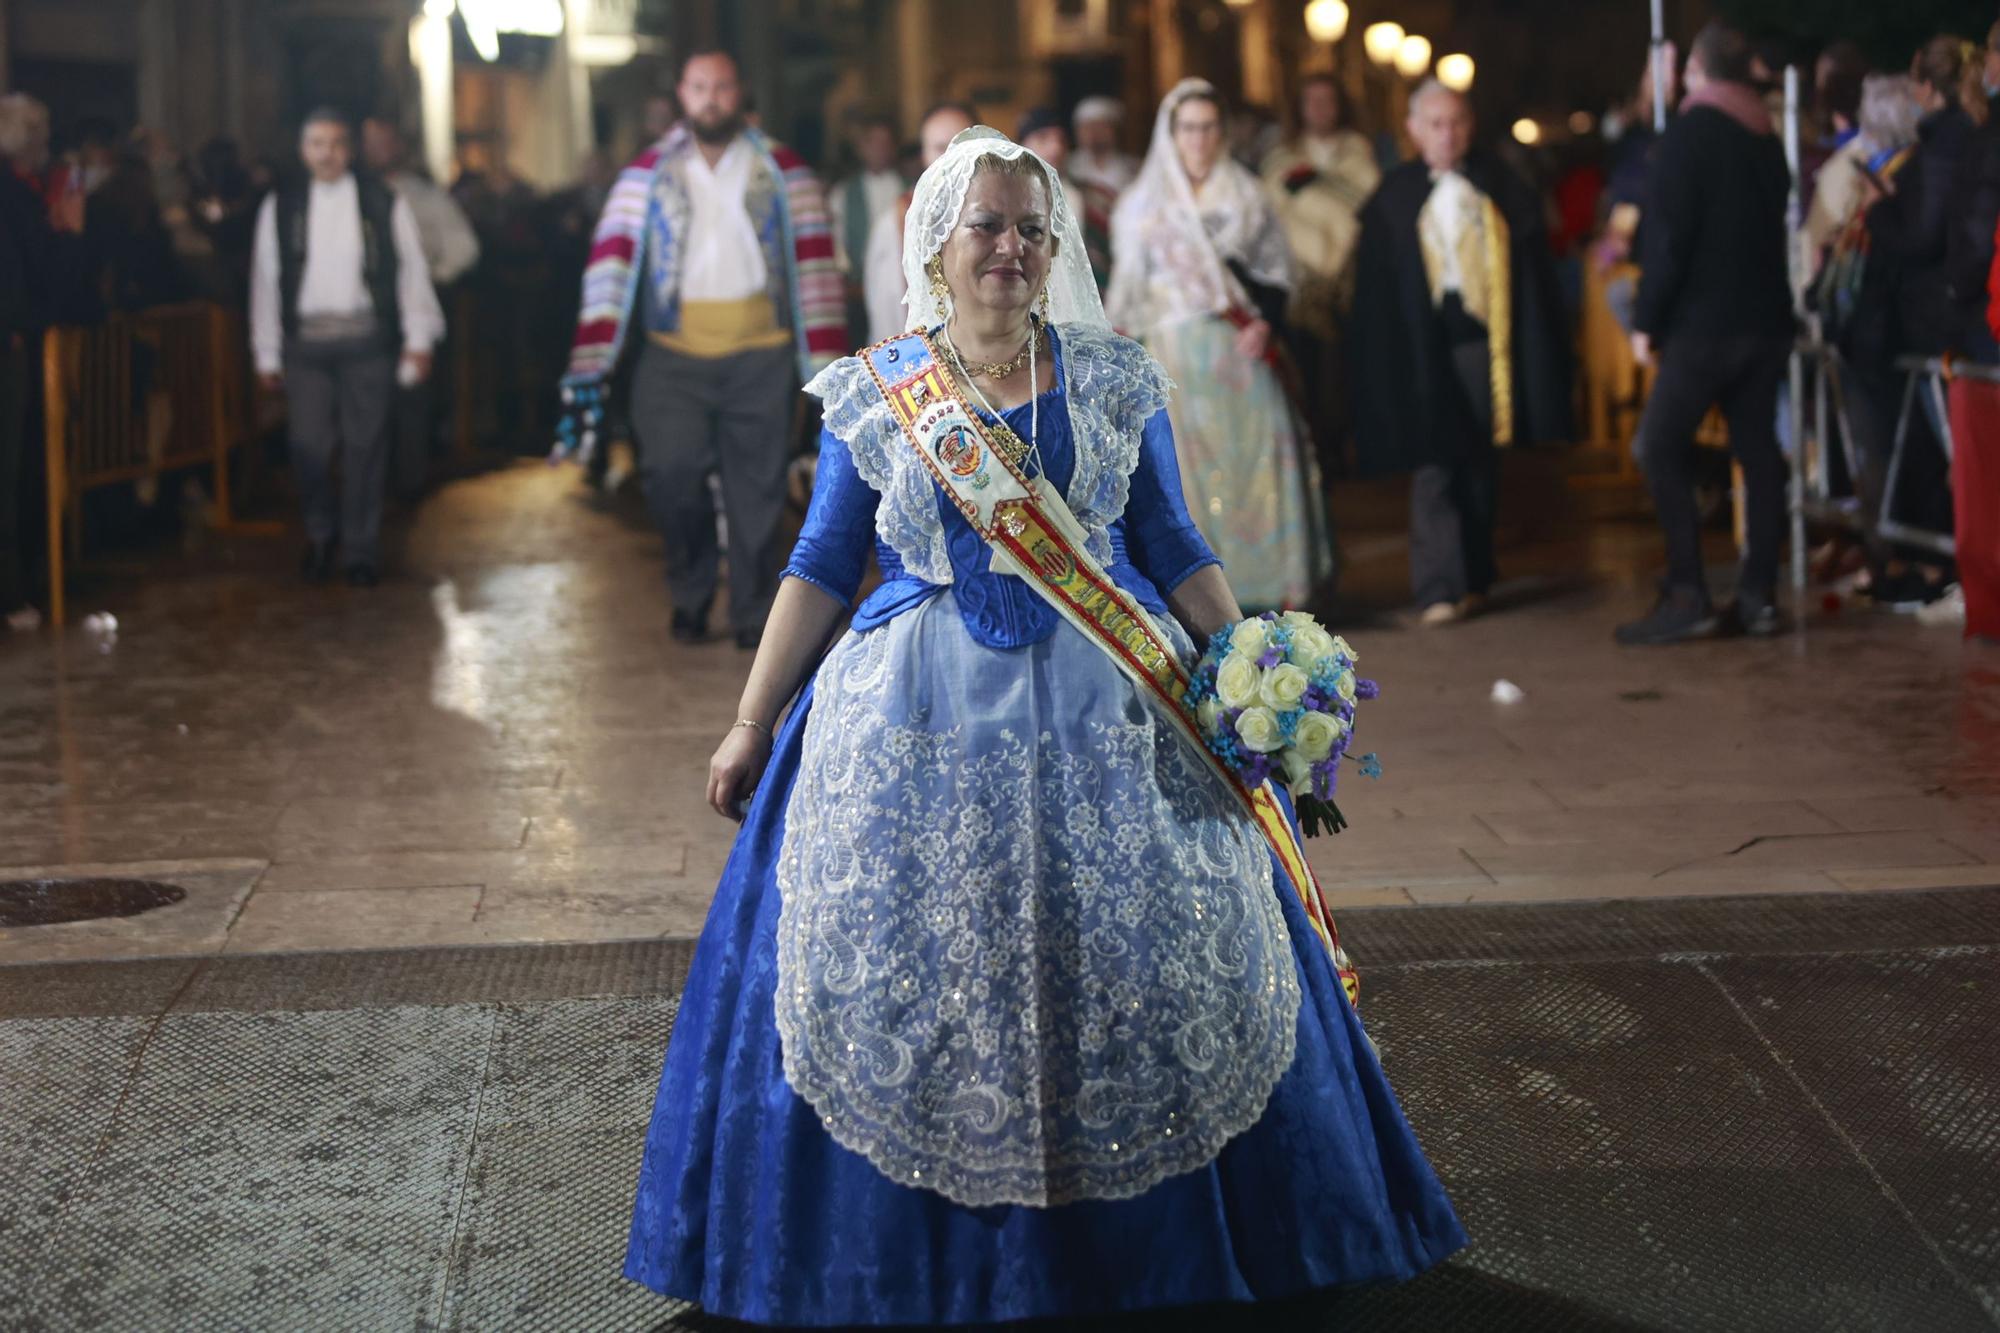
637 242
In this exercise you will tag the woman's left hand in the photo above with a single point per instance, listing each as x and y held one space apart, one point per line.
1253 339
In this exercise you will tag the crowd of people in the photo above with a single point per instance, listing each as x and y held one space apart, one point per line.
1899 180
1239 277
121 222
1325 308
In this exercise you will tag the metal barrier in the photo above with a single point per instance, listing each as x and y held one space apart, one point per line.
1817 371
132 398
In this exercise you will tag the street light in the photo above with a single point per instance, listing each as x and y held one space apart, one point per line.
1455 72
1413 56
1326 20
1527 132
1382 41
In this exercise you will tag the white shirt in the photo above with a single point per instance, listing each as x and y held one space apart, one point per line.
1452 207
450 245
333 282
882 278
723 259
1113 171
879 191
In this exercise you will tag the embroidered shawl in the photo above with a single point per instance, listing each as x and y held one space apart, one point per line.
634 230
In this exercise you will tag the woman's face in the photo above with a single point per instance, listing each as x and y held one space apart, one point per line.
1198 137
998 256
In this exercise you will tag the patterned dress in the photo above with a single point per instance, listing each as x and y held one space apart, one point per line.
1000 1011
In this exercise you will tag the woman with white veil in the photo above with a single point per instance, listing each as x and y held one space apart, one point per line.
1200 272
1000 1010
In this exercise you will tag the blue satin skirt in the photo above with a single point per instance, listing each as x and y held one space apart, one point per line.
747 1206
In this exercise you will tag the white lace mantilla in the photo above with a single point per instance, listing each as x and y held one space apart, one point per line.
1029 949
1112 386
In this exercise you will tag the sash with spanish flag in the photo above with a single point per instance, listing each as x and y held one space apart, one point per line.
1034 536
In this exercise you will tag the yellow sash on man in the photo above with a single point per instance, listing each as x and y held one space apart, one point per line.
1034 536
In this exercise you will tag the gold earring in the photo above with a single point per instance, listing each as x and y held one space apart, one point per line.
1043 301
940 289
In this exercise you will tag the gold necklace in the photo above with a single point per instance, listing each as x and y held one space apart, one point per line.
1004 439
999 370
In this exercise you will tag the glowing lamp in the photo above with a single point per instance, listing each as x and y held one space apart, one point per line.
1455 72
1382 41
1326 20
1527 132
1413 56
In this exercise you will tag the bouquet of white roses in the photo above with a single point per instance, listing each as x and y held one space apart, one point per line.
1275 697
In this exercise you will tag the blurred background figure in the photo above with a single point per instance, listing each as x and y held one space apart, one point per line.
44 280
1909 308
882 276
716 246
1200 273
1318 180
1461 345
451 249
1043 132
1098 159
1715 309
225 207
871 191
338 320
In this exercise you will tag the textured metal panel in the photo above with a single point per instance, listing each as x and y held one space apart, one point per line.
1777 1114
59 1082
1640 928
1615 1133
294 1171
1902 1052
511 974
76 990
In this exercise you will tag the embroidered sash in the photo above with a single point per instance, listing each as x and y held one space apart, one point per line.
1033 535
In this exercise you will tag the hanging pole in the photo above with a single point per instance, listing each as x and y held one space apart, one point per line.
1795 406
1660 71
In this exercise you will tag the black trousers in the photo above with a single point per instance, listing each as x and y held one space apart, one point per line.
1742 374
338 397
1454 502
14 488
730 416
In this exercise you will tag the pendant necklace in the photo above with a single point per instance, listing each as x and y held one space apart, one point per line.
1004 437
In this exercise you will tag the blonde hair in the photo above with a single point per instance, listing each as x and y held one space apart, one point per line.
1028 168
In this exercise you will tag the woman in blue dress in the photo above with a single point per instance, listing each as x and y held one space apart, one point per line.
1000 1011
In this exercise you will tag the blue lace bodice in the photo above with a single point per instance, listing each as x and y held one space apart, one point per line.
1153 544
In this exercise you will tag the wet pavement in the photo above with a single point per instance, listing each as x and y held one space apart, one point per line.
503 745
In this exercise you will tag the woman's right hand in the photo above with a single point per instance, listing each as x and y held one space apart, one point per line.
734 772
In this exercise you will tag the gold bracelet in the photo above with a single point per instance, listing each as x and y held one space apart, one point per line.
752 722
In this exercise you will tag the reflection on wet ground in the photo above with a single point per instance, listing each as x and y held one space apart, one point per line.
502 744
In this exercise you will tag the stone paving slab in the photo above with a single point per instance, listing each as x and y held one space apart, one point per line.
1750 1113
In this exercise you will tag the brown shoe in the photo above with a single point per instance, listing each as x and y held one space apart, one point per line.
1472 604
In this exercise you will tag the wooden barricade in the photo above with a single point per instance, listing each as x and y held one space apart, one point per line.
132 398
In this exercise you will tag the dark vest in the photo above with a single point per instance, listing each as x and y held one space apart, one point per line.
378 253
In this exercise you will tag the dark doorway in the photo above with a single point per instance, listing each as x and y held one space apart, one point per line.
79 90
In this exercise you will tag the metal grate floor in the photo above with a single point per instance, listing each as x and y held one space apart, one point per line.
1778 1113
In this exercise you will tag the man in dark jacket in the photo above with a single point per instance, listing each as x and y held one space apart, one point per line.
1459 347
1715 308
